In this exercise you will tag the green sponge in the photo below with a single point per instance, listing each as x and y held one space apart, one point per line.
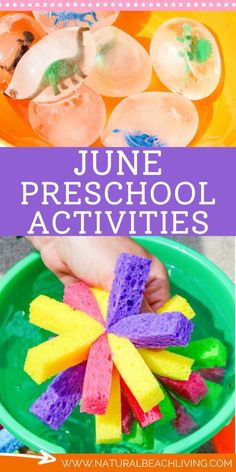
209 352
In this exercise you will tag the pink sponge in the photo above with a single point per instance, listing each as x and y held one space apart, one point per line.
80 297
127 415
214 374
98 377
144 419
194 389
183 423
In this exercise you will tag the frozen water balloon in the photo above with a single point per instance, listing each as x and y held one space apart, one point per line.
186 58
122 67
18 33
75 120
56 65
54 20
152 119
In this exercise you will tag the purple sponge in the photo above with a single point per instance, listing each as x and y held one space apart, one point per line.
155 331
131 274
193 390
62 395
183 423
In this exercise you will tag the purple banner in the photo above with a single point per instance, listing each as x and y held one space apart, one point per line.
56 191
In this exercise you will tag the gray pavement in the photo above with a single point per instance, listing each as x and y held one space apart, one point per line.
220 250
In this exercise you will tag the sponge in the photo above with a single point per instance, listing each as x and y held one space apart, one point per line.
132 368
127 415
142 437
177 303
131 274
57 354
102 298
151 331
8 443
144 419
61 397
80 297
60 318
215 392
167 363
193 390
98 377
214 374
183 423
167 409
109 426
208 352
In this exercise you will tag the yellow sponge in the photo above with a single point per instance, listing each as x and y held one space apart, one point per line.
178 303
60 318
167 364
102 300
109 426
135 372
57 354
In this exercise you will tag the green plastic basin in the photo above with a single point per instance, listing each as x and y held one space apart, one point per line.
208 290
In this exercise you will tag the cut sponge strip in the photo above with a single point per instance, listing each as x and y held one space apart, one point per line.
167 409
60 318
57 354
215 392
209 352
131 274
214 374
132 368
127 415
109 426
61 397
144 419
152 331
183 423
193 390
102 298
98 377
80 297
177 303
8 443
167 363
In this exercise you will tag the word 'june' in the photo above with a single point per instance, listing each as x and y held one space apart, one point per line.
118 194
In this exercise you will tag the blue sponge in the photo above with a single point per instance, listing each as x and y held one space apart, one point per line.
8 443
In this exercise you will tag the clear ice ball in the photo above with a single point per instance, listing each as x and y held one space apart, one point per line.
18 33
54 66
75 120
122 66
152 119
186 58
53 20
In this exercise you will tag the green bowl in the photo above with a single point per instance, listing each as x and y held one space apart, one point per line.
208 290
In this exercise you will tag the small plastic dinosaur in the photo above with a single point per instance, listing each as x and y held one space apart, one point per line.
66 16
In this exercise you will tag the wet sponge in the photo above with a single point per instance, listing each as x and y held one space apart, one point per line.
214 374
209 352
61 397
152 331
102 298
109 426
167 363
177 303
98 377
127 415
131 274
57 354
183 423
193 390
8 443
132 368
60 318
144 419
80 297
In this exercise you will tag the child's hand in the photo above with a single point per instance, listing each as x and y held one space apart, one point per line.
93 259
